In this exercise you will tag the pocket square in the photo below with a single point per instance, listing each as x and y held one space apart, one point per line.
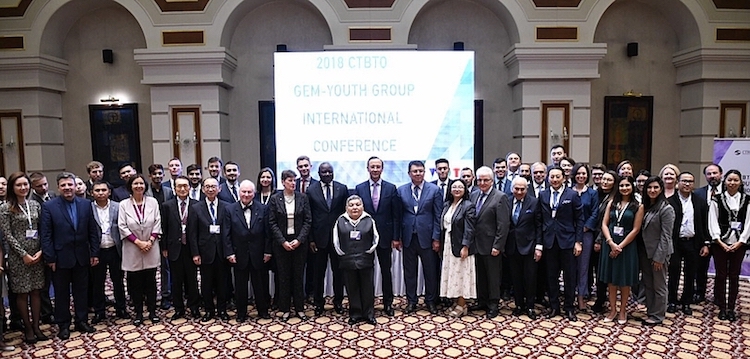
528 211
566 201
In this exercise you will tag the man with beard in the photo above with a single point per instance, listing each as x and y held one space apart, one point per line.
230 189
121 193
713 173
196 178
214 169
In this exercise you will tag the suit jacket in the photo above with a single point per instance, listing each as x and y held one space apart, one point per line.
425 221
114 231
171 227
462 227
63 243
297 188
133 258
447 195
658 225
248 244
567 226
323 218
492 222
700 220
388 216
39 199
226 194
120 194
202 242
526 234
168 193
704 193
277 218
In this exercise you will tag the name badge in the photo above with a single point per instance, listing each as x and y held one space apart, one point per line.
183 228
554 213
32 234
416 208
619 231
214 229
355 235
736 225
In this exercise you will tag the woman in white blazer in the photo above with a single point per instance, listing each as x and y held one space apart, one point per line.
139 221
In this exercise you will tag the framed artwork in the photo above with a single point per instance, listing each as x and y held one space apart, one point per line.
628 126
115 138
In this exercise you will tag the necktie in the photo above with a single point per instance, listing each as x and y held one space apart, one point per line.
192 194
442 189
73 215
416 194
234 193
375 195
713 193
500 186
554 199
480 202
517 211
538 190
213 213
183 207
328 195
302 183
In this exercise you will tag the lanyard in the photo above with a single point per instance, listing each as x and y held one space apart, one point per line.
27 212
619 213
264 199
140 211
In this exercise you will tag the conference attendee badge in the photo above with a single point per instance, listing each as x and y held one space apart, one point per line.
32 234
355 235
554 213
737 226
214 229
183 228
619 231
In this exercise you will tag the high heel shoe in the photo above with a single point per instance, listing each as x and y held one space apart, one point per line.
40 336
458 311
609 319
622 321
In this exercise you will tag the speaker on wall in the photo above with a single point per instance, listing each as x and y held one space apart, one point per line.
108 56
281 48
632 49
458 46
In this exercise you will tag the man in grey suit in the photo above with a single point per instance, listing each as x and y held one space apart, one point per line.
490 235
422 204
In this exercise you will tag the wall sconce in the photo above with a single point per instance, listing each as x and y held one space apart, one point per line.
556 138
632 94
110 99
186 141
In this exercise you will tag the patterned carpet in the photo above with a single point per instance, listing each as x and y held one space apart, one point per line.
417 335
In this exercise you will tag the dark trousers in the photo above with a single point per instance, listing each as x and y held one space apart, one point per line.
701 274
488 279
214 282
385 262
506 284
259 279
321 264
290 268
684 251
412 253
361 291
109 259
165 272
309 273
541 279
561 259
63 279
185 281
524 280
142 284
728 266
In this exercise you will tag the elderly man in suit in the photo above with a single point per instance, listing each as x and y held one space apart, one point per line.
327 202
713 173
70 240
381 201
176 249
690 239
422 204
205 235
247 245
562 233
524 246
110 254
490 236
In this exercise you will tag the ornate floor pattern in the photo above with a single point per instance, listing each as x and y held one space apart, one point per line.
419 335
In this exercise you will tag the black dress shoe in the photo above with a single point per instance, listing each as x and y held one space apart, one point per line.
571 315
319 311
154 318
64 333
388 310
195 313
491 313
517 312
410 308
371 320
241 318
353 321
698 298
731 315
84 327
722 315
553 313
264 315
686 309
165 304
477 307
30 340
302 316
671 308
224 316
98 318
338 308
207 317
122 314
177 315
48 319
598 308
138 321
432 308
531 314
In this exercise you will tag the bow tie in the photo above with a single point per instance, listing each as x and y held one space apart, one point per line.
246 208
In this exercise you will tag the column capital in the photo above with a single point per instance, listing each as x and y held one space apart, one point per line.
553 61
33 72
703 63
169 66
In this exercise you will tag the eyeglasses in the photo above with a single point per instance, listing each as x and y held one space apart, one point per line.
687 181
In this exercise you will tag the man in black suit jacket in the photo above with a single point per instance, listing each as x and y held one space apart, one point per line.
121 193
230 188
70 240
490 235
327 202
524 246
247 245
443 169
175 247
690 239
205 235
40 194
301 185
387 216
713 173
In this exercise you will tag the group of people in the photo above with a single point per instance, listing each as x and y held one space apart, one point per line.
510 228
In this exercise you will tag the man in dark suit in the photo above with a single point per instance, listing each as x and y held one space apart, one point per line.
230 188
302 184
499 166
467 177
327 202
95 169
539 179
247 246
70 242
41 194
195 176
562 233
174 166
422 205
214 167
524 246
205 235
40 186
713 173
121 193
381 201
443 169
513 162
490 235
690 239
110 254
176 249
